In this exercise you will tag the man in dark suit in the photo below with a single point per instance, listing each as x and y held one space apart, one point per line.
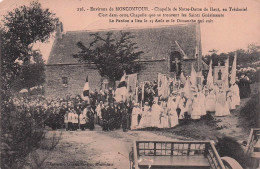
90 116
124 116
111 113
105 116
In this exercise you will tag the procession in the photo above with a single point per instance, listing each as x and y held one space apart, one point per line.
158 104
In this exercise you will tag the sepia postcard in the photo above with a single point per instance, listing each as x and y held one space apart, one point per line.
139 84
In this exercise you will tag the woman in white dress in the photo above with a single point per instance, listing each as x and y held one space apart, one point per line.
211 101
182 107
222 108
231 104
173 117
188 106
235 94
164 116
146 117
202 105
226 106
135 112
196 109
156 112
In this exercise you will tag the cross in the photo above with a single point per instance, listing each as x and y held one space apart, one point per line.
176 61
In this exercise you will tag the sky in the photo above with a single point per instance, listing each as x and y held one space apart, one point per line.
233 31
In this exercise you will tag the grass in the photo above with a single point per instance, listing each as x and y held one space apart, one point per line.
249 114
202 129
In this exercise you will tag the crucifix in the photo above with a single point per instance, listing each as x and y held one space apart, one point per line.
176 62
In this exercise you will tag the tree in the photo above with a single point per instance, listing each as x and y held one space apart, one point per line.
31 74
21 28
253 48
111 56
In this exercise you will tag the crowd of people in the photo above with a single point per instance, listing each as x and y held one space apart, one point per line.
185 101
75 113
182 104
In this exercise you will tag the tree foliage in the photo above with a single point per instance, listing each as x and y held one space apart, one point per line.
111 56
21 28
252 54
32 74
29 24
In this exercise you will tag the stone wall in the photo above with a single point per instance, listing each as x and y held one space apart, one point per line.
76 76
151 69
186 66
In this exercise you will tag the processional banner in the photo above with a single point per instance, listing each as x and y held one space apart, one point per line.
131 85
162 85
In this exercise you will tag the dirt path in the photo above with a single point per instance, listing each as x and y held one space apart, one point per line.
231 124
97 149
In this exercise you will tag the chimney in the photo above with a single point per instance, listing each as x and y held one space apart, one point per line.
59 30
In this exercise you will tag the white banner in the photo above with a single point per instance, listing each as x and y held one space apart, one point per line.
162 85
131 85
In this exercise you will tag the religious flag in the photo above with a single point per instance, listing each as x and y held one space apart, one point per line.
131 84
234 70
225 83
136 94
210 77
121 89
86 90
199 78
193 75
162 85
143 91
166 87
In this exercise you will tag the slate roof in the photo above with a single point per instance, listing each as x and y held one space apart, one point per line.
155 42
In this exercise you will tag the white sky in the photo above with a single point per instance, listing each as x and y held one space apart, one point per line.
236 30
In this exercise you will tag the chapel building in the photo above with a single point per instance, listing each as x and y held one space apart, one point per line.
167 49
